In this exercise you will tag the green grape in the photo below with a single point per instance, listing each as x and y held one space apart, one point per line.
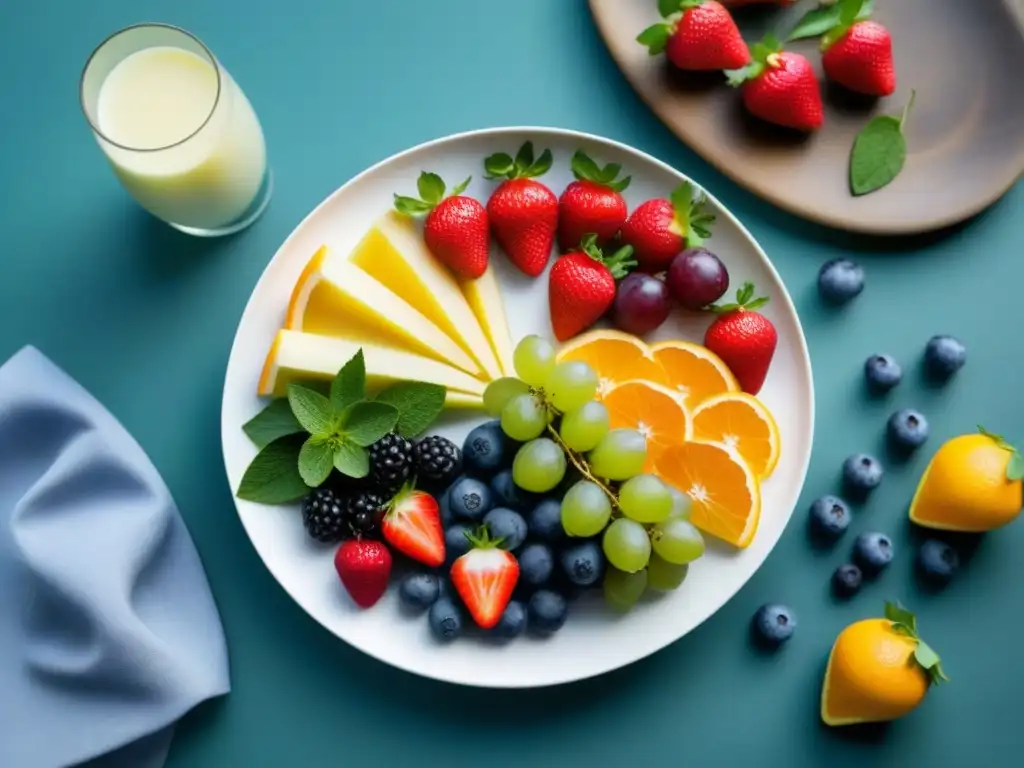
533 359
619 455
646 499
570 385
626 545
677 541
622 590
583 427
663 575
586 509
500 391
681 503
539 466
524 417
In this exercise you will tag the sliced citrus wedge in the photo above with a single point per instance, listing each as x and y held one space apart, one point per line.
725 492
695 372
615 357
651 409
740 421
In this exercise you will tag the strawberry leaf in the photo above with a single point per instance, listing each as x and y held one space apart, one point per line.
929 660
667 7
583 167
621 262
431 187
539 167
460 188
524 157
498 166
410 206
818 21
655 38
897 614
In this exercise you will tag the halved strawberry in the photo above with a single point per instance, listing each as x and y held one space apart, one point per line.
412 525
485 577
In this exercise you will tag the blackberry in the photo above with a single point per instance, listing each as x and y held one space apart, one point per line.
364 513
324 516
390 463
437 459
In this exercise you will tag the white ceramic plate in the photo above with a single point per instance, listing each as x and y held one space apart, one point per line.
592 642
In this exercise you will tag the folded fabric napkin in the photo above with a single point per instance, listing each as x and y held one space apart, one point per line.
108 630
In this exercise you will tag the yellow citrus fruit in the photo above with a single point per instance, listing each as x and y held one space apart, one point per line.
969 485
615 357
694 371
742 422
725 492
651 409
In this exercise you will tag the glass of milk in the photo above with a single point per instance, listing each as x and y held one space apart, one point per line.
178 131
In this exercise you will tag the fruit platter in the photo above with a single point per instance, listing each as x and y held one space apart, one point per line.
517 407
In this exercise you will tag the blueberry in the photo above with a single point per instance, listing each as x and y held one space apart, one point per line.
455 542
508 526
862 473
507 494
419 591
938 561
907 430
584 563
774 624
545 521
512 621
840 280
944 356
882 372
445 620
536 562
546 611
830 517
445 509
847 579
469 499
873 551
485 450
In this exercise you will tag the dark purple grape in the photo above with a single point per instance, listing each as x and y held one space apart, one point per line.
641 304
696 278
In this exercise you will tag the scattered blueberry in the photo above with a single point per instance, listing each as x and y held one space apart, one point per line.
830 517
862 473
419 591
545 521
445 509
938 561
512 621
944 356
907 430
507 525
847 579
445 620
584 563
873 551
840 280
484 452
882 372
507 494
469 499
774 624
455 542
536 562
546 611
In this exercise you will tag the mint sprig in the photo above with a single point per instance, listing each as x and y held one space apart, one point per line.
1015 467
879 152
273 476
418 405
818 21
274 421
904 622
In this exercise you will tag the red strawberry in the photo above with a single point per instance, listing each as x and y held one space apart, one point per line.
581 286
781 87
659 229
591 204
696 35
412 525
523 212
859 56
456 230
364 567
743 338
484 577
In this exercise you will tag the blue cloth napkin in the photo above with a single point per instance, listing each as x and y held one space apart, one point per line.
108 630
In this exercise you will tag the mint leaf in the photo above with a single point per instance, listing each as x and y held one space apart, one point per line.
315 460
273 475
418 404
349 386
351 460
311 409
655 38
368 421
878 154
897 614
431 187
274 421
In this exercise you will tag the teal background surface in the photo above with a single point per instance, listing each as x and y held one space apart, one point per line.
144 318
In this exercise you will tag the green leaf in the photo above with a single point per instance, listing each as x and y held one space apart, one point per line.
274 421
584 168
368 421
418 404
756 303
273 475
541 166
897 614
667 7
655 38
929 660
878 154
849 10
410 206
431 187
315 460
312 410
351 460
459 189
349 386
1015 469
498 166
818 21
524 157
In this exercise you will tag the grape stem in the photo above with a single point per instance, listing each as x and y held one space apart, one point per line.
582 467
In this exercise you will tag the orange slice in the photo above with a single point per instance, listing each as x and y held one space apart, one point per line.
725 492
694 371
741 422
651 409
615 357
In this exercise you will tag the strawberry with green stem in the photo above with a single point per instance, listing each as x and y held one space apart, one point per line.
412 525
696 35
744 338
660 229
485 578
857 52
593 203
780 87
582 284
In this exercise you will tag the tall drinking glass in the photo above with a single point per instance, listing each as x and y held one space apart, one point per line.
178 131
